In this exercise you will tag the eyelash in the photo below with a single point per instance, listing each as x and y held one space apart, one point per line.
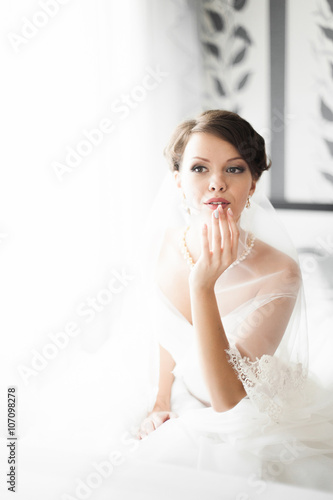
193 169
240 169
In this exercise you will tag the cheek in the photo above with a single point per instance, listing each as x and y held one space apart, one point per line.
241 195
243 198
192 190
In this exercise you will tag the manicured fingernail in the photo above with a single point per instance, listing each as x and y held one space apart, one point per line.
216 213
230 212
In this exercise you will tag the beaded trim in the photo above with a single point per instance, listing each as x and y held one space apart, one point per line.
187 256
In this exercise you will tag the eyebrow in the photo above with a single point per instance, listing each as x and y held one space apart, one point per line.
206 159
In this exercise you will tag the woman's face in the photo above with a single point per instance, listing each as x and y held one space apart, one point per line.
213 168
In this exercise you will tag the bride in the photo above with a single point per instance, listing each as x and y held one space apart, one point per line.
233 396
217 183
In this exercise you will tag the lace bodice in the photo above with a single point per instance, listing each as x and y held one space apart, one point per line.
271 383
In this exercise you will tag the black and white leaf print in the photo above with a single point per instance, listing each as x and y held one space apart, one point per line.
326 112
330 146
217 20
242 33
239 56
328 32
219 87
239 4
330 3
242 82
212 48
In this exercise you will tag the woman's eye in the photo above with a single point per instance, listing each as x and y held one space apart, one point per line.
235 170
197 168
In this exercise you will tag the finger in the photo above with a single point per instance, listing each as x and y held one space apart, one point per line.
204 242
162 417
226 234
147 426
141 435
158 419
172 414
234 233
216 236
167 416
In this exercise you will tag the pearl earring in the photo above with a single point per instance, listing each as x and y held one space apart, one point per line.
248 203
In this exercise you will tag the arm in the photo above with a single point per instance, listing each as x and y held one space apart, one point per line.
162 408
254 339
166 379
225 389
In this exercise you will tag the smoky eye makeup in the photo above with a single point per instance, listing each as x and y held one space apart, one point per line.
236 169
198 168
233 169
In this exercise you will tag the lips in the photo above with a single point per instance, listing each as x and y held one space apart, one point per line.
217 200
213 203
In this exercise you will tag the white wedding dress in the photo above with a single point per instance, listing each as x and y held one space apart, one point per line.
239 454
276 442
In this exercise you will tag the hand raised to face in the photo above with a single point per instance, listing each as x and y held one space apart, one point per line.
214 261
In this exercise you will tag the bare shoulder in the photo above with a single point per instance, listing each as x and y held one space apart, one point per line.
171 239
268 259
172 273
169 261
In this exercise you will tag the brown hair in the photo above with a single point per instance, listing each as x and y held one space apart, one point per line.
229 127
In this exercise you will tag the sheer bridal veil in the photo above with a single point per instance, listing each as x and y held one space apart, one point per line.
264 315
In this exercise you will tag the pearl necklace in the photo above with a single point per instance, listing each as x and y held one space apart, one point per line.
243 255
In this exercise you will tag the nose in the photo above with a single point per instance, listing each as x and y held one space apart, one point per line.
217 184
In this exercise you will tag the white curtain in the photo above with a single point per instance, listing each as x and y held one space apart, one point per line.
90 92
